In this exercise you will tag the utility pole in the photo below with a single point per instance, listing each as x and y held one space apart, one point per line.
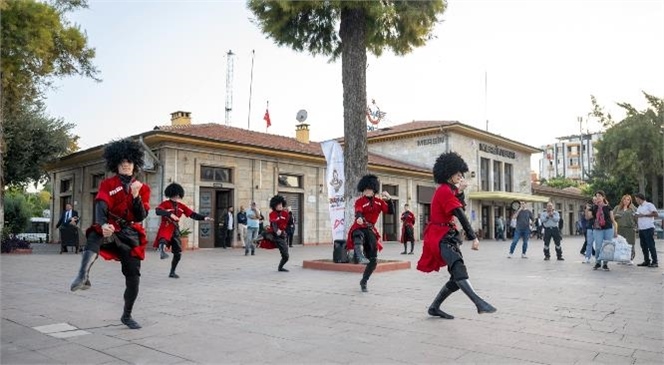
583 175
230 60
251 84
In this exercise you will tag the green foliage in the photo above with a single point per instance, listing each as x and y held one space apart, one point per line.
33 139
560 182
17 213
185 232
313 26
629 156
614 186
38 45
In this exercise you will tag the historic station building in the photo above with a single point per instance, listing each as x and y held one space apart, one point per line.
221 166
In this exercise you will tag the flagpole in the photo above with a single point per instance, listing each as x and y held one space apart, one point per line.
251 84
267 110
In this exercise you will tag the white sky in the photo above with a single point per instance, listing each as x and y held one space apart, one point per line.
543 58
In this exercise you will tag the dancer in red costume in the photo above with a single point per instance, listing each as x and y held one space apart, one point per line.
442 241
275 233
168 235
122 202
363 233
407 229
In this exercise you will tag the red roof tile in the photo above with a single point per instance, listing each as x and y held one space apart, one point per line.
224 133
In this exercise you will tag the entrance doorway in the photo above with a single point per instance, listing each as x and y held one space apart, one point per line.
214 203
425 210
294 200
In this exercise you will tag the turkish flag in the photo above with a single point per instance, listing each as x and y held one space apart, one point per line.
266 118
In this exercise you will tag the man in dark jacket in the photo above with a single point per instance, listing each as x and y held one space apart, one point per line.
68 225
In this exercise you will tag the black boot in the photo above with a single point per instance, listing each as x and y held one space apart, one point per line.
547 254
405 248
482 306
174 265
412 247
82 279
368 270
434 308
283 262
162 251
130 294
359 255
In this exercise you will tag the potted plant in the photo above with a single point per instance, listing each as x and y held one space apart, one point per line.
184 237
15 245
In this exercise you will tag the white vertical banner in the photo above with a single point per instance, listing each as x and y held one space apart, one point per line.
335 179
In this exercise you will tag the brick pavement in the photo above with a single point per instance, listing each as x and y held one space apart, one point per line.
228 308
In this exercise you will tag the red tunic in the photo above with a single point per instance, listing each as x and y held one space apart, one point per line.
408 219
370 209
442 205
120 204
167 226
281 218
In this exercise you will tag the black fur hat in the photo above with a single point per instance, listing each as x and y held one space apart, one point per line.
173 190
123 149
448 164
276 200
368 182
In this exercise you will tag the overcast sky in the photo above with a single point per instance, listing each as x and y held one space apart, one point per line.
543 59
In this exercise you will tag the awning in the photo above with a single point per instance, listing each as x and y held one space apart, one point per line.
507 196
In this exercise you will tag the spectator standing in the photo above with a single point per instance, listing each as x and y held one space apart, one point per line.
524 218
624 214
645 215
602 227
242 225
290 228
550 219
68 226
500 228
227 225
253 216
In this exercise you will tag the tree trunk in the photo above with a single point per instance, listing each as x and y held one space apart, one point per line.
354 78
654 188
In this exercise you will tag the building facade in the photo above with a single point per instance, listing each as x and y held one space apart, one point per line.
572 157
221 166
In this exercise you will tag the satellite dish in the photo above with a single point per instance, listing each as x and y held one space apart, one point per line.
301 116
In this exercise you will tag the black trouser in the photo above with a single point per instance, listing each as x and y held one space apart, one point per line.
228 238
131 266
550 232
451 253
282 245
176 249
367 239
647 240
289 237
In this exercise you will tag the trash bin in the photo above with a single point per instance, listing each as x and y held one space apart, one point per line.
340 255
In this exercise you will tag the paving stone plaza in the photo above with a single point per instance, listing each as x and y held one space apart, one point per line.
228 308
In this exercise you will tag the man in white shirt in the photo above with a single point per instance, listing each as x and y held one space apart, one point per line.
645 217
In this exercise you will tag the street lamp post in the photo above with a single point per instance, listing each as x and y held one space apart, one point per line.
661 131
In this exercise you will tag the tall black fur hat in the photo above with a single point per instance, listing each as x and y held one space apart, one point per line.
123 149
448 164
368 182
276 200
173 190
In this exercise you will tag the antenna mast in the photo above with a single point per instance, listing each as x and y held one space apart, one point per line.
230 61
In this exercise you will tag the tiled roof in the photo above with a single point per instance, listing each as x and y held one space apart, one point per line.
224 133
409 127
415 126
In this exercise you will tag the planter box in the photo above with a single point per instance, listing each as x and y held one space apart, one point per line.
20 251
383 265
